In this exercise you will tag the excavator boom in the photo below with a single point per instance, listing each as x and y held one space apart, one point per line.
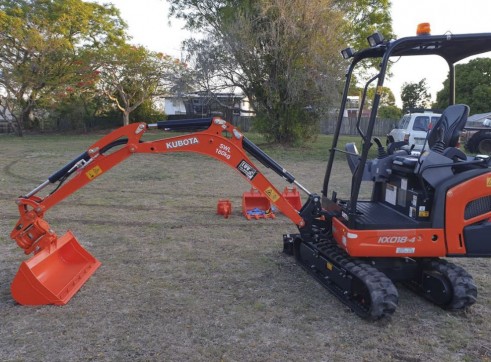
38 280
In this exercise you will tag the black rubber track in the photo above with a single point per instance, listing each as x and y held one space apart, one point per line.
464 291
372 294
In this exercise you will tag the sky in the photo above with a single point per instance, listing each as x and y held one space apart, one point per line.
454 16
149 25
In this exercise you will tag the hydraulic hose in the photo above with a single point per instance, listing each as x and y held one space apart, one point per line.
267 161
185 124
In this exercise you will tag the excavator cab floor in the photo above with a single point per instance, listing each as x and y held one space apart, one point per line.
372 215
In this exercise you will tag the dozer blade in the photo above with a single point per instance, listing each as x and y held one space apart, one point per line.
55 274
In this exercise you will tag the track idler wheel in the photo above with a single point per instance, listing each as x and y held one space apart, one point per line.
462 287
447 285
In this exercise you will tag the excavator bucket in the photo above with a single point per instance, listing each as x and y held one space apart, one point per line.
255 205
54 274
292 195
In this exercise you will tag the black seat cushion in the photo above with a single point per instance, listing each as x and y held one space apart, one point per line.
447 130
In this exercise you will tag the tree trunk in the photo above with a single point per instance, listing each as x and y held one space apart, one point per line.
126 118
18 129
16 124
24 121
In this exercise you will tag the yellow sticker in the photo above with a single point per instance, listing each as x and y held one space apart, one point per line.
488 182
94 172
272 194
329 266
424 213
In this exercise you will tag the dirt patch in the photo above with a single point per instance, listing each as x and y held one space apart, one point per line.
180 283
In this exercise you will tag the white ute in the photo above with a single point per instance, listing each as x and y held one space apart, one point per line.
413 128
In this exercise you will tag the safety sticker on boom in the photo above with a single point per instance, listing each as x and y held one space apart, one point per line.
94 172
247 170
272 194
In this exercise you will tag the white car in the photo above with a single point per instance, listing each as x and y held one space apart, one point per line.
413 128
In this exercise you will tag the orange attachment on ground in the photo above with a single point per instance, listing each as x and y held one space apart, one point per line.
255 205
224 207
292 195
55 274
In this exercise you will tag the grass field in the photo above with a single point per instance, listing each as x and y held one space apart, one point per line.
180 283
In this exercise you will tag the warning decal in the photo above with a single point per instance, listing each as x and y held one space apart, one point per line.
272 194
247 170
94 172
488 182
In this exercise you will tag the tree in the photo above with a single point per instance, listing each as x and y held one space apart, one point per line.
147 112
46 45
472 86
387 98
389 112
387 105
365 17
415 95
131 75
283 55
75 107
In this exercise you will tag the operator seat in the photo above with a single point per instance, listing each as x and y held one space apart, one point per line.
447 129
442 139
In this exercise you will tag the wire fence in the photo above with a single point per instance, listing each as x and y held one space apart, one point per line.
348 126
246 124
6 127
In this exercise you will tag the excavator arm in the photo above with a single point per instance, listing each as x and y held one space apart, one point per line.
216 138
219 140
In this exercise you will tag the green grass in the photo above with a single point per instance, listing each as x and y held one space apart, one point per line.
180 283
317 149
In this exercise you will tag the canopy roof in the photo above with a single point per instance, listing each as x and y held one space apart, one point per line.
450 47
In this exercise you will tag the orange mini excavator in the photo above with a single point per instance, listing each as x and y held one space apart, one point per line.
423 206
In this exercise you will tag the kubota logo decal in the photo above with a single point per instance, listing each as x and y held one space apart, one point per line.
182 143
